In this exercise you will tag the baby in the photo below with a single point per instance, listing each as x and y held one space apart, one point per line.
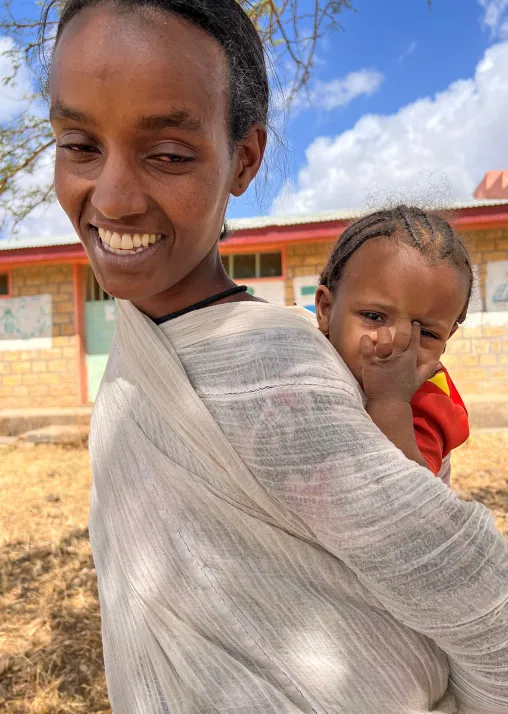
394 291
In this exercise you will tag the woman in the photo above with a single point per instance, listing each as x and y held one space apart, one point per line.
261 548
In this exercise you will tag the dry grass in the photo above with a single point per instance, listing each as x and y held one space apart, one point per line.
51 659
480 473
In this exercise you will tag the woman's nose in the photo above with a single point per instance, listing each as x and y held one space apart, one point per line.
118 191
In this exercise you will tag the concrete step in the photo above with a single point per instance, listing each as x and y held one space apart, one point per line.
485 412
55 434
14 422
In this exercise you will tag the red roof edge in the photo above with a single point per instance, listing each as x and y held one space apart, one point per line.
48 254
470 218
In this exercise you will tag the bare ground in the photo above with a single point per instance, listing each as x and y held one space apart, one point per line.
50 650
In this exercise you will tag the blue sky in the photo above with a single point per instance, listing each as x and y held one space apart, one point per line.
412 54
405 104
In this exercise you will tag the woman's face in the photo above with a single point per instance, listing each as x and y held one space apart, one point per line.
144 164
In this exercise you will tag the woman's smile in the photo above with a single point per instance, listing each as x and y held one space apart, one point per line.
109 246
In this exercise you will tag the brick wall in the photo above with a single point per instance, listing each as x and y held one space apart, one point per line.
43 378
484 247
304 259
477 355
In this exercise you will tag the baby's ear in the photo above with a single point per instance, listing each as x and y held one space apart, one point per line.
324 303
454 330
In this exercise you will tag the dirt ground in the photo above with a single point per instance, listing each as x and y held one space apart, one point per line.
50 650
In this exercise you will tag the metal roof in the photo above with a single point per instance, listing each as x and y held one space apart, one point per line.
237 224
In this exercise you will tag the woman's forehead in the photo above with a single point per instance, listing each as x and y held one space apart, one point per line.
147 60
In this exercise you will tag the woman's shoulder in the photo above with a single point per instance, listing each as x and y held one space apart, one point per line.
242 317
238 346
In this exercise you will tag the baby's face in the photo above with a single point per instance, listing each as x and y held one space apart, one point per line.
384 282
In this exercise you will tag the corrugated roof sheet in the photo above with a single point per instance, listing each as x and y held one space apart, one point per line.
238 224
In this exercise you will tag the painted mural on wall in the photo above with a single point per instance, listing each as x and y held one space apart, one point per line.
497 286
26 323
305 291
270 290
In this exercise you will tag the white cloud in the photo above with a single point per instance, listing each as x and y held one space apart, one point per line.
12 94
495 16
341 91
453 138
48 219
408 51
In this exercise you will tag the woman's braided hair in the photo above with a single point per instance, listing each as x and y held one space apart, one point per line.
428 232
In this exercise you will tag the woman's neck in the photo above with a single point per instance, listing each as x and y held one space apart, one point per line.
207 279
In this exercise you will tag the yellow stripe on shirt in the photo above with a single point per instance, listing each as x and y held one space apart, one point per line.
439 379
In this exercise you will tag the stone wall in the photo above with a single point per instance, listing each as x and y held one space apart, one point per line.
43 377
304 259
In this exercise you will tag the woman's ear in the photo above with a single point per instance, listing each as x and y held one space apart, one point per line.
249 155
324 303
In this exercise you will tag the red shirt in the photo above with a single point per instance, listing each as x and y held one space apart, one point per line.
440 419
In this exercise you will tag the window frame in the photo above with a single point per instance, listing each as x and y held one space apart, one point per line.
230 257
89 280
8 273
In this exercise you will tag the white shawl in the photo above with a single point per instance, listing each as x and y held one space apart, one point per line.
262 549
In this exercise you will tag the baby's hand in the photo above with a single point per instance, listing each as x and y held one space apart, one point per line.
390 371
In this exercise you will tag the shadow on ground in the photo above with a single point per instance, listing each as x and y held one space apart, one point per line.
51 657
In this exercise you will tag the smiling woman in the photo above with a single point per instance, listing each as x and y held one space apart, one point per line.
260 547
146 179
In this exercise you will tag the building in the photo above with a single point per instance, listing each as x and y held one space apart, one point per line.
56 323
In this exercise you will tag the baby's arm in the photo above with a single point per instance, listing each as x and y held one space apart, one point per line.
395 419
390 378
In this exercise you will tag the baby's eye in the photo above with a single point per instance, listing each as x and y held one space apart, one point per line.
426 333
373 316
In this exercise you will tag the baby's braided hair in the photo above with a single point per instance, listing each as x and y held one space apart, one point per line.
428 232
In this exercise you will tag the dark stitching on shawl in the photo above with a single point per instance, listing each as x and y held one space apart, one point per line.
277 386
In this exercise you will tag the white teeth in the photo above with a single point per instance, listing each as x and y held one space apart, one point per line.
127 243
105 236
116 241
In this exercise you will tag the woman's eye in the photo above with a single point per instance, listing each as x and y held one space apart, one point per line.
172 158
79 148
373 316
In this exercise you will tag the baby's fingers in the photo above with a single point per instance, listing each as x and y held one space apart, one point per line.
384 346
367 349
403 335
427 371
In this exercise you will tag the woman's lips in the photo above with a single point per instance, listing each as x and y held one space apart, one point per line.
118 256
127 243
